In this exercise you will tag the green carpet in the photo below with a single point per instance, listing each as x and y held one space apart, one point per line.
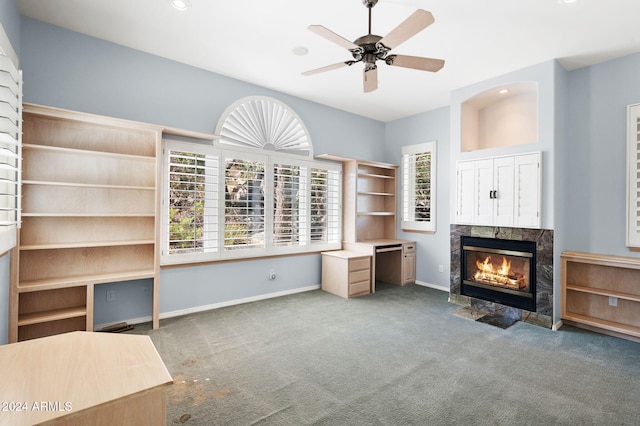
397 357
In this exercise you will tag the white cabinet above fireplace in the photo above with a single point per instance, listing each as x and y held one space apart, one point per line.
499 191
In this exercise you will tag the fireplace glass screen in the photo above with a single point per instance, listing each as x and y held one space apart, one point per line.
501 271
499 268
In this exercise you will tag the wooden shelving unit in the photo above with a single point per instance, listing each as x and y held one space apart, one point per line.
369 199
89 209
602 293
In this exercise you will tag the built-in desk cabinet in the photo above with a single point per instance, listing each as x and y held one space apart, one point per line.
601 293
346 273
89 208
409 263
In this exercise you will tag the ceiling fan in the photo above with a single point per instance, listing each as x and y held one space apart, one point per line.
371 48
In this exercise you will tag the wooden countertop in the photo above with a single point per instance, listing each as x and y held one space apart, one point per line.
56 376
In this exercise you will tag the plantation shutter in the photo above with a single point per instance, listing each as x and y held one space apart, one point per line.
633 176
290 201
10 151
325 206
418 195
193 201
244 226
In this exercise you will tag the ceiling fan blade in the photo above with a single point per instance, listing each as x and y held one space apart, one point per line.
415 62
331 36
370 79
418 21
327 68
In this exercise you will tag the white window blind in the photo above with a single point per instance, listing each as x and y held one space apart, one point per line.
290 201
418 187
244 218
10 151
633 175
325 206
193 207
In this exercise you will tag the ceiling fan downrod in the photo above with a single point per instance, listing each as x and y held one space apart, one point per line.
369 5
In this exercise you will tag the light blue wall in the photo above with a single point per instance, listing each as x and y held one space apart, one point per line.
595 212
10 22
70 70
432 248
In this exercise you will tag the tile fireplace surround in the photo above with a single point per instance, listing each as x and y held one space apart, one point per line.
544 271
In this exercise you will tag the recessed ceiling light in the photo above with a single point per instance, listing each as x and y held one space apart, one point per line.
566 1
300 51
503 91
180 4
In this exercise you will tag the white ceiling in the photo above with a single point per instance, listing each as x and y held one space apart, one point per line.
252 40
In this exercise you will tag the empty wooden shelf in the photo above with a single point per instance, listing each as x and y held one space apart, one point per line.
89 209
601 293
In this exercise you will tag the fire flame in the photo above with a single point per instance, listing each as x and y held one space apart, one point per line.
497 275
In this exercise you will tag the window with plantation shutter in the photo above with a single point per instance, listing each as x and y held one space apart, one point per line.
418 187
193 206
290 200
325 206
244 204
633 175
256 191
10 151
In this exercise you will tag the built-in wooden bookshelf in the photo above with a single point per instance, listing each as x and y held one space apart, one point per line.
89 209
602 293
369 199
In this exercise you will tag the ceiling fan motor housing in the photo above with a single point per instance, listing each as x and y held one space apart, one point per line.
369 3
371 48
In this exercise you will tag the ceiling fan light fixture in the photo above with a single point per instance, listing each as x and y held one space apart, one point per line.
180 5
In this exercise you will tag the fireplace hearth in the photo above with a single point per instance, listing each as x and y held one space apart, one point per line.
500 271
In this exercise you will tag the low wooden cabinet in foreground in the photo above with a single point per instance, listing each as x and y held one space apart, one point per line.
601 293
82 378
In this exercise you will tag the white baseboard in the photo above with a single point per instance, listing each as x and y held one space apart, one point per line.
556 326
434 286
202 308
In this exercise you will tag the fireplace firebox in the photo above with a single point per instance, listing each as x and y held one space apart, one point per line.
501 271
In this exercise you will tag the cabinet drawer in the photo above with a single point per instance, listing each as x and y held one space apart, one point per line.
410 248
356 276
358 264
359 287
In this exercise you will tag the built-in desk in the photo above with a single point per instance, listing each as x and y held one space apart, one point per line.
83 378
393 261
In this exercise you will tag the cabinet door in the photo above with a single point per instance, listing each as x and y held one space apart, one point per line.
484 187
503 184
409 268
527 191
465 190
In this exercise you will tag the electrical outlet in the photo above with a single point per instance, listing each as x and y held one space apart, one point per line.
440 268
111 295
613 301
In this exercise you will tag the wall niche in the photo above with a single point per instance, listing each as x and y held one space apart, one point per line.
502 116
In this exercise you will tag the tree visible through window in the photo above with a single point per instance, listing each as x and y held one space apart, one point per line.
192 200
223 203
244 204
418 187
